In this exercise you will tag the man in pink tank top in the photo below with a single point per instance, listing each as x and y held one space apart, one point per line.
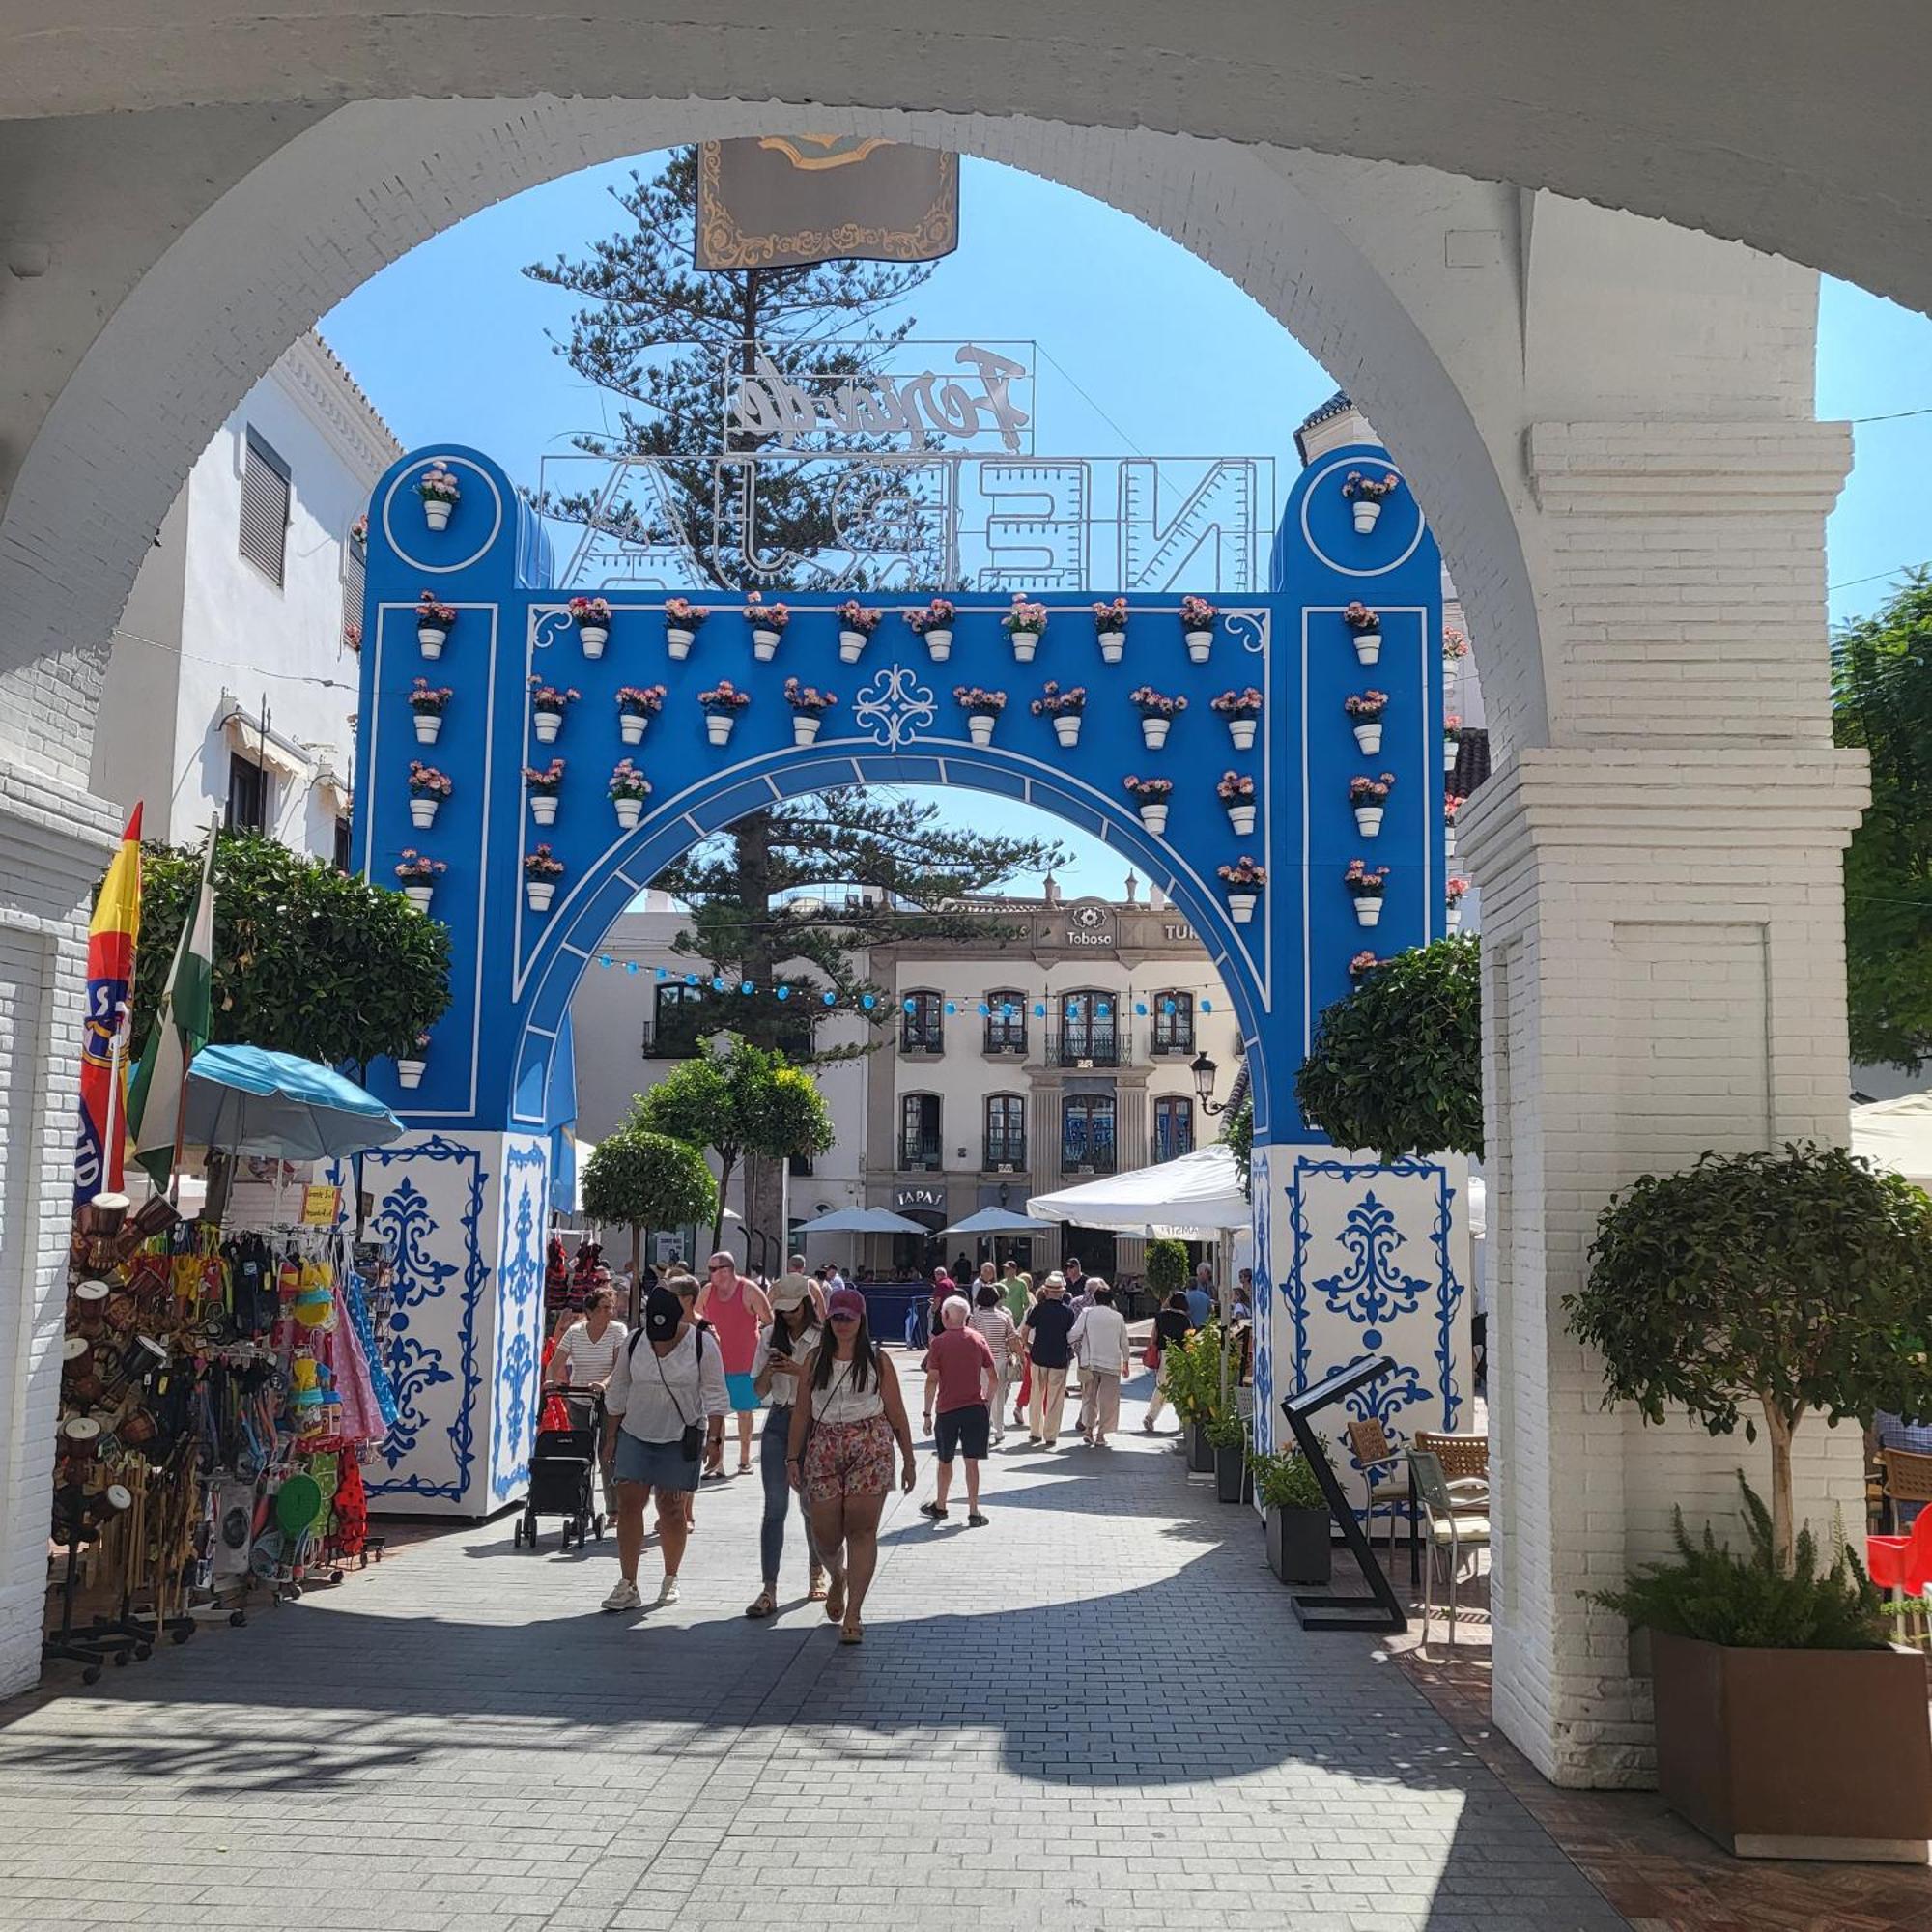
736 1309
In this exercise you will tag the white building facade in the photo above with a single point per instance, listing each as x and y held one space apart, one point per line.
232 684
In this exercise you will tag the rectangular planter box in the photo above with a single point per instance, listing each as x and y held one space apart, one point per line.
1200 1453
1297 1545
1234 1481
1795 1753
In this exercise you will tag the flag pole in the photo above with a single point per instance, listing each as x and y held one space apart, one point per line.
116 1058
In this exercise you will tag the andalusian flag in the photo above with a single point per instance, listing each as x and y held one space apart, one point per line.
111 940
180 1031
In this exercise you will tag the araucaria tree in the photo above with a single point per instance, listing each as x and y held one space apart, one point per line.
638 1181
743 1102
1882 701
1754 1286
307 960
1398 1065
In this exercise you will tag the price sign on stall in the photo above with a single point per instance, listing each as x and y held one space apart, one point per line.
321 1205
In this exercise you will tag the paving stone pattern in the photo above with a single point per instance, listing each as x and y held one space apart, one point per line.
1096 1712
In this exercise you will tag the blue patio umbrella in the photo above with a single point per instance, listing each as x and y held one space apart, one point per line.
246 1101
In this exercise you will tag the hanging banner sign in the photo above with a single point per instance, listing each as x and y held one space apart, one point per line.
925 409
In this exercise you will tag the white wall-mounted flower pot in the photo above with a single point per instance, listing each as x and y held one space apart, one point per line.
1369 820
1241 907
805 726
764 643
718 727
1067 727
432 637
979 726
436 512
1200 647
418 896
1448 841
1112 646
1449 754
1454 921
540 892
1366 509
678 641
1242 818
1153 815
940 643
1154 732
1025 644
851 644
542 808
631 726
1368 645
1243 731
1369 909
428 725
629 810
594 636
548 725
409 1073
1369 737
422 812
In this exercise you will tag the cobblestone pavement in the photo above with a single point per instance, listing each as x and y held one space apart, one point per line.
1096 1712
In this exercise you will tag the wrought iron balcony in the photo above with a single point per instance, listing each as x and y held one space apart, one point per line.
918 1153
1089 1159
1088 1046
1178 1038
1007 1038
926 1041
1005 1155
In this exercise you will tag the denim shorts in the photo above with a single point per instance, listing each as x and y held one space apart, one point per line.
664 1465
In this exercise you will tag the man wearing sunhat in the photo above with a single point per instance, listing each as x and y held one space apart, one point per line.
1049 1327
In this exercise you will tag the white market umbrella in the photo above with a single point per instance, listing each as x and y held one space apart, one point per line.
1896 1134
996 1221
860 1221
1195 1198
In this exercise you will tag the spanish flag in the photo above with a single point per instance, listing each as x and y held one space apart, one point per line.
111 940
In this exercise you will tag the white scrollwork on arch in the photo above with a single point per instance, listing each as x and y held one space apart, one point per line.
547 627
894 708
1250 629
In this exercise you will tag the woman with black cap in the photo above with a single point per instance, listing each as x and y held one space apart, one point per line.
668 1382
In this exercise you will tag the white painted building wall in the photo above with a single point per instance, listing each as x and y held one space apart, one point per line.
210 648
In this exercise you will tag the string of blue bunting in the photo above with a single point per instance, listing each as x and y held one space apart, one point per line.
870 1001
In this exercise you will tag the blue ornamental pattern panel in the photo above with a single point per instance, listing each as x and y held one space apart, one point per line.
1369 1266
520 1271
429 1210
1260 1193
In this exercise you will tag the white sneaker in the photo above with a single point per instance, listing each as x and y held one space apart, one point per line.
623 1597
667 1592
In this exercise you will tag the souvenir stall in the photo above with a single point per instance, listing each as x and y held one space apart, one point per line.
221 1385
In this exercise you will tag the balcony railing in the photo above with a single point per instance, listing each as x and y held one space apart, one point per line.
1004 1155
1007 1041
928 1040
1089 1159
918 1153
1088 1046
1172 1039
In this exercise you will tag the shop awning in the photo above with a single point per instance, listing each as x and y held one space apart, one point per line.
1194 1198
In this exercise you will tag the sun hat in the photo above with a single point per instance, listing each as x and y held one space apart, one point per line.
788 1291
845 1301
1054 1284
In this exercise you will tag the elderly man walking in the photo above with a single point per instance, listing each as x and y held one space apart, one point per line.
961 1381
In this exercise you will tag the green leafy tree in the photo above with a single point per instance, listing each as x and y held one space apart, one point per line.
1166 1267
745 1101
788 894
1882 701
1774 1281
307 959
640 1181
1239 1135
1398 1065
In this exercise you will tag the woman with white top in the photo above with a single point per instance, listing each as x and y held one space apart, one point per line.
778 1366
668 1381
587 1355
841 1452
1100 1344
991 1319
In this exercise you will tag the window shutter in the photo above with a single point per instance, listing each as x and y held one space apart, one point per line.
354 577
264 508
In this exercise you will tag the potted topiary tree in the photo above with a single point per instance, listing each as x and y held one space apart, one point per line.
1298 1517
1775 1282
1166 1269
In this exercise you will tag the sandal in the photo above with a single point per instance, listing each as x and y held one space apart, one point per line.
852 1633
764 1604
817 1592
834 1600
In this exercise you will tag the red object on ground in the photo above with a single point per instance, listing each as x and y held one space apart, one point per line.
1902 1562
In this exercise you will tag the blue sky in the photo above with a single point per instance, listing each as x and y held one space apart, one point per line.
1173 368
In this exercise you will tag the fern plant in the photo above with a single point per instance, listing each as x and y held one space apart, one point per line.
1715 1595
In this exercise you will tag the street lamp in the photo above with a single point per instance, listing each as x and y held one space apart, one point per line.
1204 1071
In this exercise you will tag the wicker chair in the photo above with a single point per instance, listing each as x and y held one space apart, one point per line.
1908 1479
1385 1485
1464 1459
1453 1524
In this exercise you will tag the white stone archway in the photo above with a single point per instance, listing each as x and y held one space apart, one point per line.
1609 421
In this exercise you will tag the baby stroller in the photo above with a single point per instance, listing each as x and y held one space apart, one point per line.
563 1473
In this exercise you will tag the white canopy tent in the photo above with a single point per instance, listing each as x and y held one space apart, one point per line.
1197 1197
1896 1134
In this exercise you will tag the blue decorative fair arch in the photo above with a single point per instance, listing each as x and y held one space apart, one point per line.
489 1074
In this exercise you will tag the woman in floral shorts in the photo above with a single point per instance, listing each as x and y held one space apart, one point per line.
841 1453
